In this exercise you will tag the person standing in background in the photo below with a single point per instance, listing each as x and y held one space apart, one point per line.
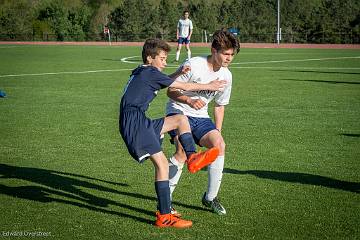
183 34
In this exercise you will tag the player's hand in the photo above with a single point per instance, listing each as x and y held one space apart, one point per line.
185 69
196 103
217 85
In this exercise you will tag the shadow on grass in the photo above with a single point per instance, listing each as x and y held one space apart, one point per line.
321 81
54 186
315 71
303 178
351 134
61 187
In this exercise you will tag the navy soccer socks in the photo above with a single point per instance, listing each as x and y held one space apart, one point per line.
187 142
163 194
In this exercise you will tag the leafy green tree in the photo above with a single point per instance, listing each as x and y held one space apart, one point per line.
67 22
16 19
126 20
79 23
150 21
168 16
319 21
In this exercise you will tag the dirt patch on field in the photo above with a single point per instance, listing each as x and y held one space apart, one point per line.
173 44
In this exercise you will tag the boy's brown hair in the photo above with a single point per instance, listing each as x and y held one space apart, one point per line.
153 46
223 40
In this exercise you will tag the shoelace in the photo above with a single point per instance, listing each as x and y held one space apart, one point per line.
216 202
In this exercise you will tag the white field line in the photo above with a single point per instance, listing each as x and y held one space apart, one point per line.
299 60
125 60
303 68
119 70
60 73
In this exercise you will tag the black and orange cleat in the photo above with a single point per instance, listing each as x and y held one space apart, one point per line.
197 161
170 220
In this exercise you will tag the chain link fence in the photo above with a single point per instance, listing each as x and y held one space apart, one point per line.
320 37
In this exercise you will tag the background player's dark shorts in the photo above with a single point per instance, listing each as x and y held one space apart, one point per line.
183 41
140 134
199 127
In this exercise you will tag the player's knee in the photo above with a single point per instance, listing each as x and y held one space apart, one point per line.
182 120
180 154
219 143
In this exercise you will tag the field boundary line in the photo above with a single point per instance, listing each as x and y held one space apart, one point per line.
125 60
195 44
298 60
59 73
317 68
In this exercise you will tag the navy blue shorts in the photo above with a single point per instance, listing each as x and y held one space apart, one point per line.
141 135
183 40
199 127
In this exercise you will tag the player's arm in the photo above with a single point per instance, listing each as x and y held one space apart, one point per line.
190 33
184 69
178 96
177 30
191 30
219 112
216 85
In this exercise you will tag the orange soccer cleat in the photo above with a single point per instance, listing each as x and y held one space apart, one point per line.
172 211
170 220
197 161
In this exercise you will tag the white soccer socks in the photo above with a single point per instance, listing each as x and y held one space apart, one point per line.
215 173
175 170
189 54
177 55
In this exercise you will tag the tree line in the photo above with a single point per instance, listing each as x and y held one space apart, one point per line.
315 21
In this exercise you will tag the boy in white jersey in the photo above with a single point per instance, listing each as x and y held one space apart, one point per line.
194 104
183 34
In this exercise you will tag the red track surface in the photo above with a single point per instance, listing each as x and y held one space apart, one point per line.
243 45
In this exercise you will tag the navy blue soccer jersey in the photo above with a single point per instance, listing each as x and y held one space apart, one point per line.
141 134
142 87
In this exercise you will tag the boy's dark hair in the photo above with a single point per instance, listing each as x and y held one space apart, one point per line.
223 40
186 11
152 48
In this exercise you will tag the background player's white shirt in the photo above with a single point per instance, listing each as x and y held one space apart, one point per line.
184 26
201 73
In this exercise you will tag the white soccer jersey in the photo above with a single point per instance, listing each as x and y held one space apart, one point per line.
200 73
184 26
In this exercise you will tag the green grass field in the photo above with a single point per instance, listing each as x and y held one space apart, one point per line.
293 148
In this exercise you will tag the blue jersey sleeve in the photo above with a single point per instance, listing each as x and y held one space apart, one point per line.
161 79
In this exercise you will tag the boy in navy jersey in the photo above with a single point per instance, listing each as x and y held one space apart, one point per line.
142 135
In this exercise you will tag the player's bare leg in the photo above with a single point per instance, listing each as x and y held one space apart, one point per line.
188 51
164 218
176 165
195 161
215 172
178 50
